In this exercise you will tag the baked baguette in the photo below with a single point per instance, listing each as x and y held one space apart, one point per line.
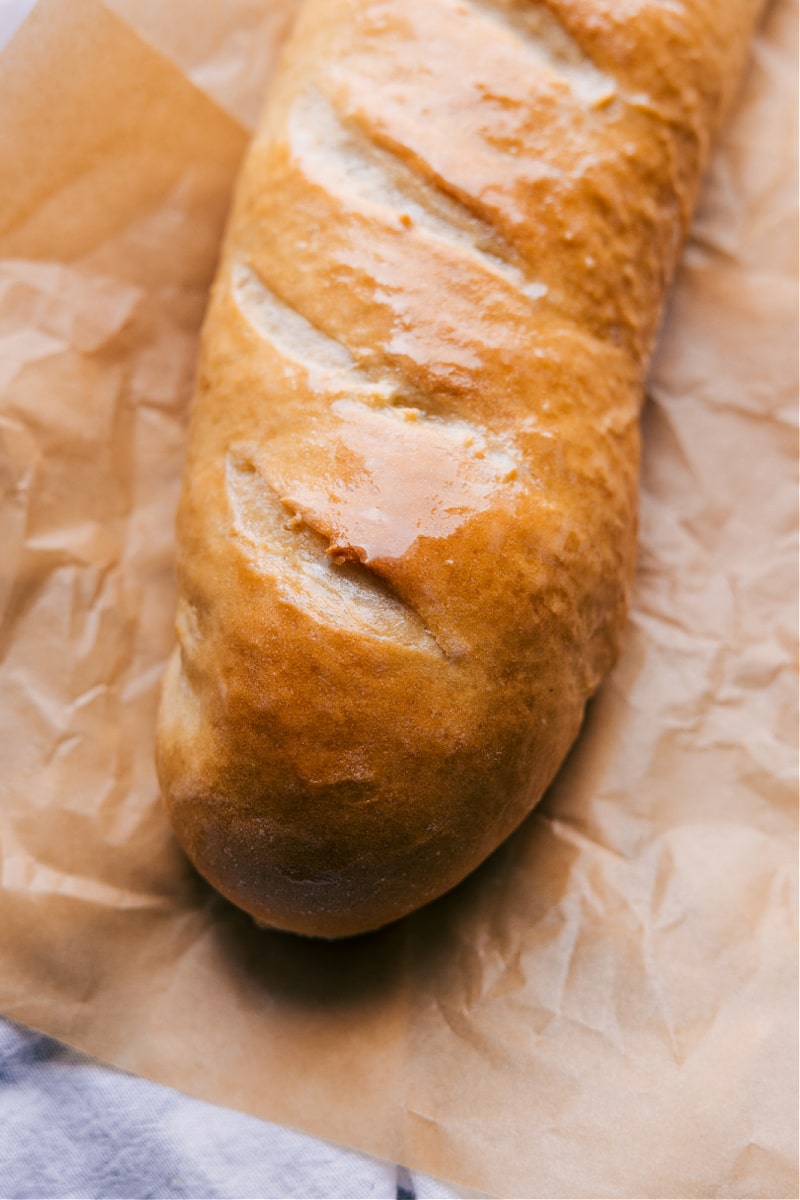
407 528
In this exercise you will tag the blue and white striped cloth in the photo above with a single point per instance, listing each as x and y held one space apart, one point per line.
70 1127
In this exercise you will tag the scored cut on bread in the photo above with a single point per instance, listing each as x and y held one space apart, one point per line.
407 530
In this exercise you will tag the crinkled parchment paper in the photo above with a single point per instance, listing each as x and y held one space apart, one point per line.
608 1007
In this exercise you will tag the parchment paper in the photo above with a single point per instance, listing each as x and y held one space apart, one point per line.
608 1007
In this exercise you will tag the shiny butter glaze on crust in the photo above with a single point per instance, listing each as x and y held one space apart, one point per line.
407 528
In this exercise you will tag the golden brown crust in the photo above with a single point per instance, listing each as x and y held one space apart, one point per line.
407 528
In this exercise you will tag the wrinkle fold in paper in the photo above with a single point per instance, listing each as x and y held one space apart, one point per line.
608 1008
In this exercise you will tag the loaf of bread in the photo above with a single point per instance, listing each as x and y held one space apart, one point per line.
407 530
